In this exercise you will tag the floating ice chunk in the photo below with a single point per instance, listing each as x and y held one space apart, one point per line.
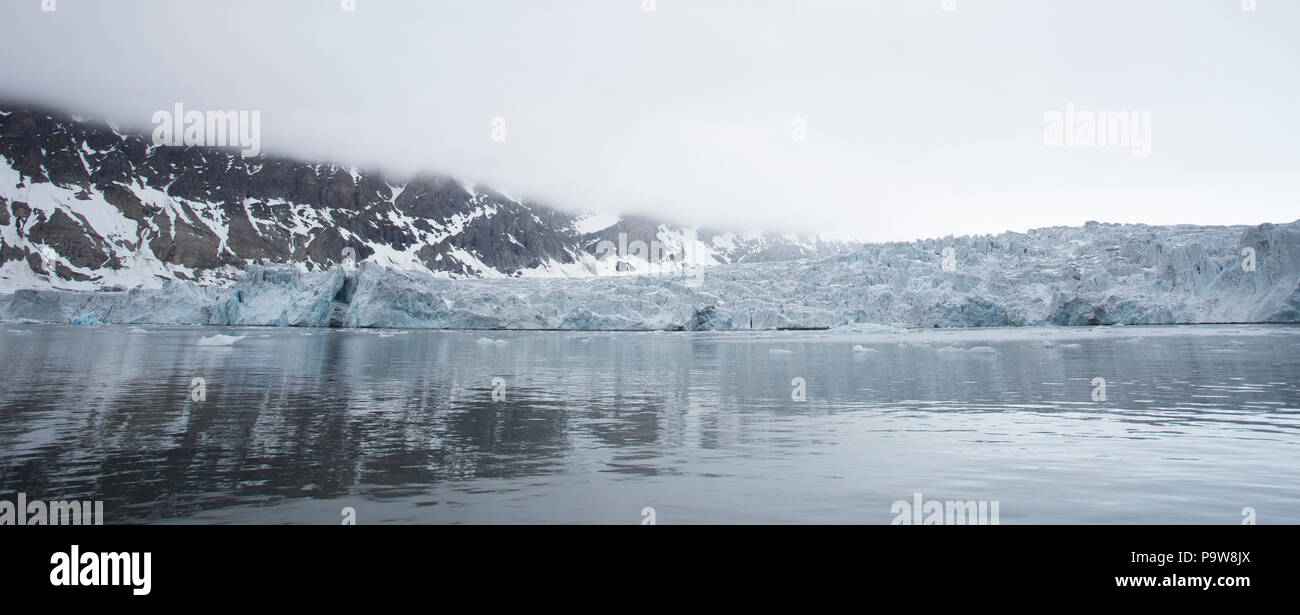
218 340
780 351
985 350
862 327
861 348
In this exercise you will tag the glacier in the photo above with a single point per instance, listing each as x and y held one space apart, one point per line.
1090 275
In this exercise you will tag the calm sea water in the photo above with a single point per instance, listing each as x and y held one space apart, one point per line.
1198 423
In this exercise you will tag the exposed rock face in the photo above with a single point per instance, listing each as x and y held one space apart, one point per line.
86 203
72 239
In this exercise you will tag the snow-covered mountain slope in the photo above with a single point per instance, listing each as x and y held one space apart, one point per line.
85 206
1097 274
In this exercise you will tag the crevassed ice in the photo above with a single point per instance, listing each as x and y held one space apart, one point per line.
1097 274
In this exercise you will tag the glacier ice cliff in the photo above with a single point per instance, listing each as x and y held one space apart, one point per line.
1095 274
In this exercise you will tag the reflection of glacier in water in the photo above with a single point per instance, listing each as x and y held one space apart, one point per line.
1199 422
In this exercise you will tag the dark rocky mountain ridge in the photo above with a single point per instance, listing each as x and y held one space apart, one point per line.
84 205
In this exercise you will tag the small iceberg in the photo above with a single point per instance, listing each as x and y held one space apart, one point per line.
985 350
219 340
861 348
862 327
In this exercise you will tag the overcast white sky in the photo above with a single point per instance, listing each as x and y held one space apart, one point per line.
920 122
